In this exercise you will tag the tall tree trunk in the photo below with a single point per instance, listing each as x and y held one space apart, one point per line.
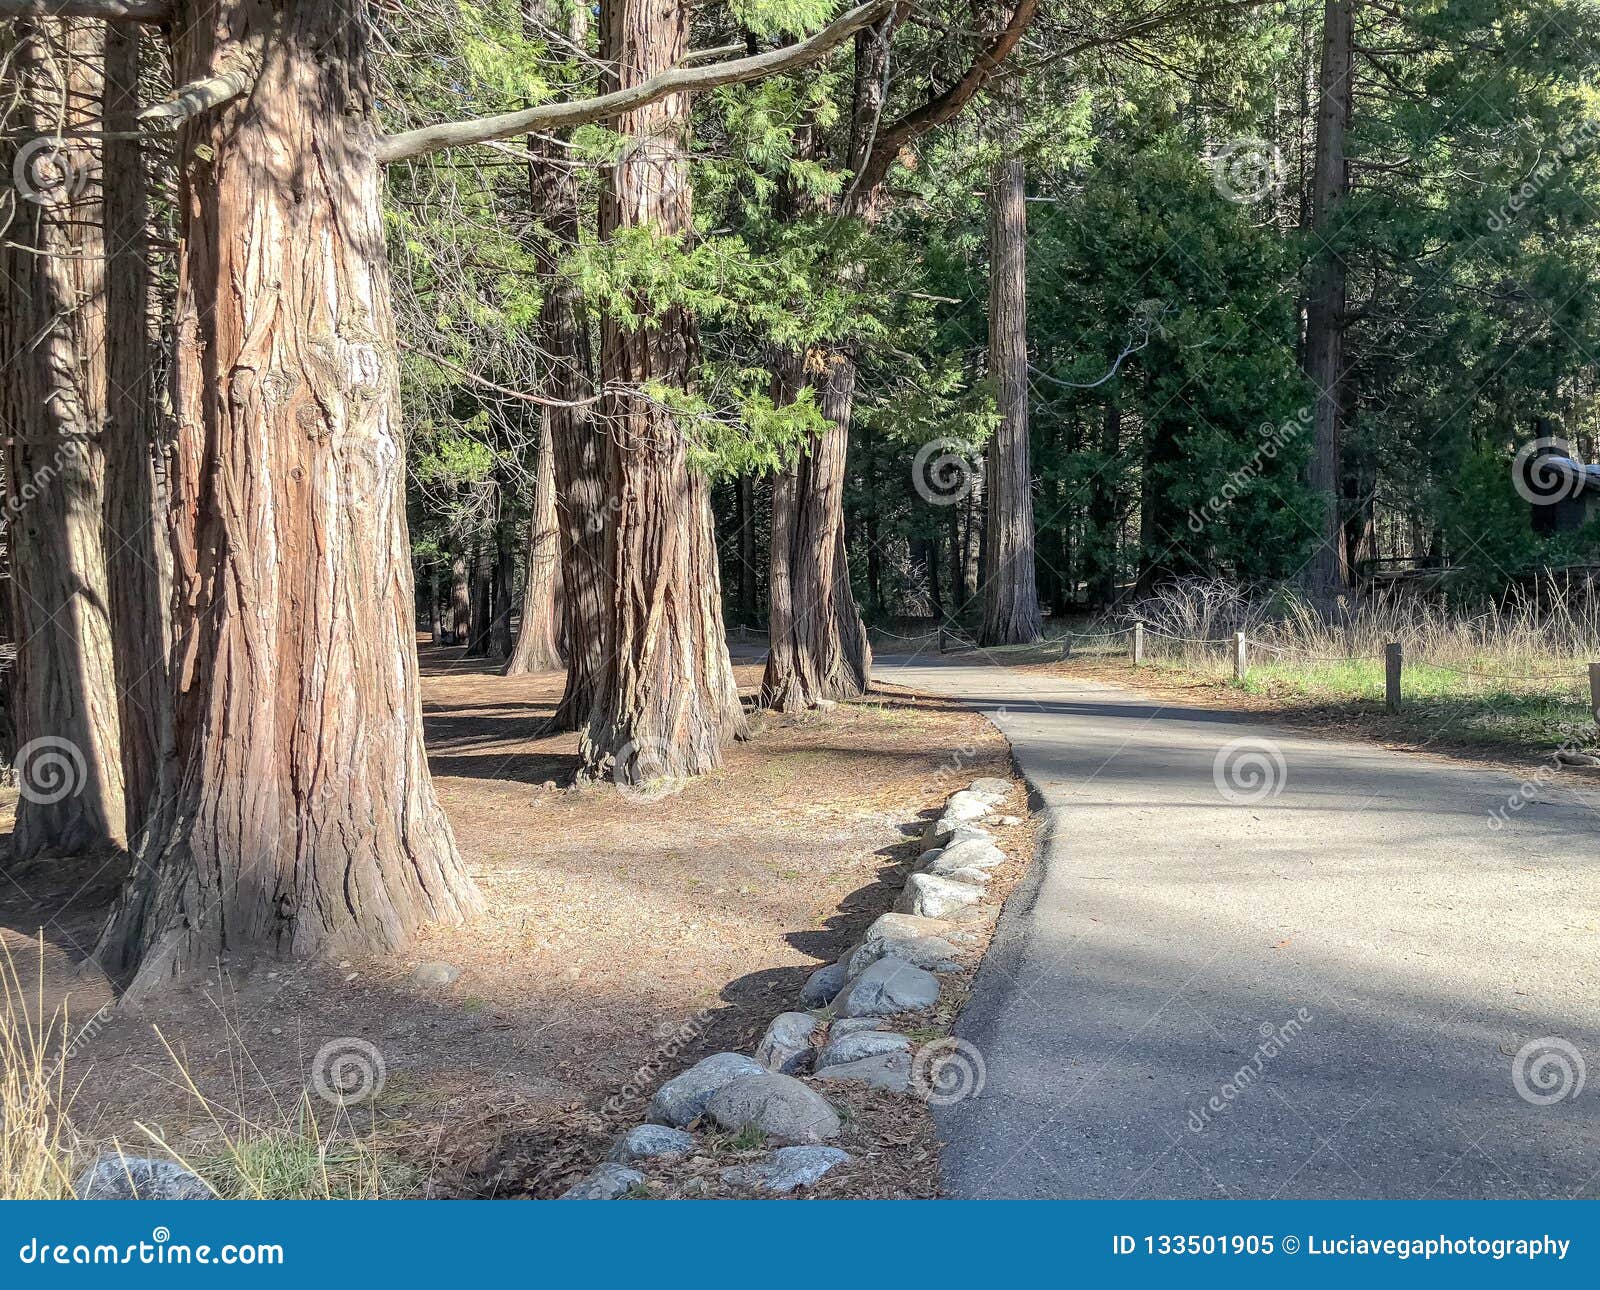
819 651
575 437
304 819
1010 592
1328 575
666 703
460 601
505 577
482 600
435 607
138 555
54 403
538 647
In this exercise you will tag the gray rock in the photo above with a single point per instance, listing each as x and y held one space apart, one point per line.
976 853
887 987
786 1169
651 1142
1008 821
891 1071
967 806
901 936
140 1178
822 985
990 786
682 1099
778 1106
863 1043
786 1047
608 1181
972 877
947 830
935 897
839 1027
435 975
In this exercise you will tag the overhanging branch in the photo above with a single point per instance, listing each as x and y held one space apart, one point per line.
944 106
687 79
110 10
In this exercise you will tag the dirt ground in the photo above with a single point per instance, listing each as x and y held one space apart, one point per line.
624 940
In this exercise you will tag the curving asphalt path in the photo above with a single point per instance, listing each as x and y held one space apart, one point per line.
1320 993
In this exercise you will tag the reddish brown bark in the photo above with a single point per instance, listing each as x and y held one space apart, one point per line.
138 555
54 404
666 702
1010 590
303 818
1328 574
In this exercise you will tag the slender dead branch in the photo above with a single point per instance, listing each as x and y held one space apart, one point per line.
688 79
200 96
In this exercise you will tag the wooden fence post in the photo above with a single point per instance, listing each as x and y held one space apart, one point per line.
1594 690
1138 644
1393 663
1239 662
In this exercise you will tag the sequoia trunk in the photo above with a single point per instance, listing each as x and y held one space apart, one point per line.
1010 591
666 704
1327 575
538 647
138 556
54 405
303 819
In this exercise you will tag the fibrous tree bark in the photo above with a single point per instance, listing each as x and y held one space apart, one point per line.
666 702
54 403
1010 591
138 554
303 817
1327 575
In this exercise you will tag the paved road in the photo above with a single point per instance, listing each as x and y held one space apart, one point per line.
1318 994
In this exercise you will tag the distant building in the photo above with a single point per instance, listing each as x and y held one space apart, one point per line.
1563 492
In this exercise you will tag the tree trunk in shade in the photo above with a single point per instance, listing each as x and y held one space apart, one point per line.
460 601
302 820
482 586
666 703
55 405
1010 592
1328 575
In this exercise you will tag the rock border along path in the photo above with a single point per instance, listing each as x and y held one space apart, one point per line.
842 1031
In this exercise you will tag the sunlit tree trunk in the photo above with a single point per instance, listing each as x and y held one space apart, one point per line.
460 601
138 555
303 818
538 647
54 405
666 701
